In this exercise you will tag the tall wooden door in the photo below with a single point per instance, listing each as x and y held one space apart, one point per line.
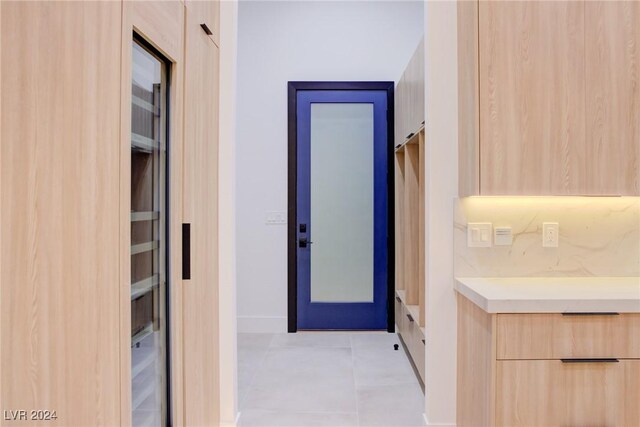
59 224
200 211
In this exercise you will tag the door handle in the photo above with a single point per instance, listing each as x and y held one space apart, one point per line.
303 242
186 251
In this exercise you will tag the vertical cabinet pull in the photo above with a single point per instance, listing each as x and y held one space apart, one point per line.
186 251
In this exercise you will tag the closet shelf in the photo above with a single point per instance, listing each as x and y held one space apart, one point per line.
413 139
142 143
144 286
144 393
144 216
144 247
135 100
137 338
143 358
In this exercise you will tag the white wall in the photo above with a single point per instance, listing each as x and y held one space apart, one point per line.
441 99
279 42
226 214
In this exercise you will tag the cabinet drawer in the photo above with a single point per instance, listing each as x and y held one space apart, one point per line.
553 393
413 338
557 336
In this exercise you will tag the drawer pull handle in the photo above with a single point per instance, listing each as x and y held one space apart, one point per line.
410 318
610 313
605 360
410 135
398 298
423 342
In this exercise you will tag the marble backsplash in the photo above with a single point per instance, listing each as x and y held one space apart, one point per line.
599 236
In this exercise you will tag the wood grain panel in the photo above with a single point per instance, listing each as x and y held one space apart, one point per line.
468 100
476 365
60 251
399 217
411 222
161 23
554 336
412 98
613 97
400 112
422 273
207 12
532 98
552 393
201 358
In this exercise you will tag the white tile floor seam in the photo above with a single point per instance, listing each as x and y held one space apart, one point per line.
354 378
330 379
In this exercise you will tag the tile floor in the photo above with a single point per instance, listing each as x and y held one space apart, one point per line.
329 379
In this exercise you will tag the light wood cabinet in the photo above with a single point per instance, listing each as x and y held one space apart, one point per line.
206 13
557 393
409 98
548 99
612 61
557 336
547 369
409 208
59 221
67 207
409 244
201 329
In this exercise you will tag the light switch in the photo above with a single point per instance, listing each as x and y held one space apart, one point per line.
550 234
502 236
275 218
479 234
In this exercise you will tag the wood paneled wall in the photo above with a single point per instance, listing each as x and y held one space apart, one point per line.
60 251
65 204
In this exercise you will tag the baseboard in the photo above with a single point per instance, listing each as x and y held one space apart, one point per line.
262 324
428 424
231 424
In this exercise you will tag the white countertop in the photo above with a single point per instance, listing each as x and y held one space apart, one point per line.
552 294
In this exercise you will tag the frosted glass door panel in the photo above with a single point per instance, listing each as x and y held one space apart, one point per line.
342 202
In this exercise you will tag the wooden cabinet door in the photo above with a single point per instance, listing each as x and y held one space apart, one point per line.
613 97
206 12
59 218
200 293
553 393
532 98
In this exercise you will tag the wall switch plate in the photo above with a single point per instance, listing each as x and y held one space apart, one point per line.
275 218
550 234
479 234
502 236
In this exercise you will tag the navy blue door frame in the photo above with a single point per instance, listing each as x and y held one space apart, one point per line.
292 236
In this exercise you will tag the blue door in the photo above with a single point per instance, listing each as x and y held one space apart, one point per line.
342 209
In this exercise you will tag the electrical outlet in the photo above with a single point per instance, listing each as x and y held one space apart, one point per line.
550 234
479 234
276 218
